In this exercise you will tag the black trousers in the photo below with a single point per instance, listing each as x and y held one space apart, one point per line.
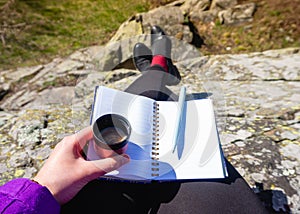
229 195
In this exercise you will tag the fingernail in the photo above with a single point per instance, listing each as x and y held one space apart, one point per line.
126 156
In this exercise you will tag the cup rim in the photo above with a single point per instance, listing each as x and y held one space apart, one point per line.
111 118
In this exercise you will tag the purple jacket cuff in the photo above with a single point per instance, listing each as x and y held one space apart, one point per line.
25 196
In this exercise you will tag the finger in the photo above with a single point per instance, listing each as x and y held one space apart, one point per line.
109 164
83 136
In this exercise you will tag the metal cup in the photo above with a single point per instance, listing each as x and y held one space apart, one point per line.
111 134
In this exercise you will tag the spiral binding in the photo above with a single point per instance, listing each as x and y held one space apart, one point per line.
155 141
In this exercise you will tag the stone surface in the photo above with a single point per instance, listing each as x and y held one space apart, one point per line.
171 17
190 6
21 73
131 28
256 98
59 95
179 19
202 17
237 14
222 4
163 16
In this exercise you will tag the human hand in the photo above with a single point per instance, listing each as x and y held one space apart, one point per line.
66 172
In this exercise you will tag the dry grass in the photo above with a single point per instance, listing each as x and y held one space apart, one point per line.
276 25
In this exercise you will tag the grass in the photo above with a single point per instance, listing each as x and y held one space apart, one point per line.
35 31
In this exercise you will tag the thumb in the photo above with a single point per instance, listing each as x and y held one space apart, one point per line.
106 165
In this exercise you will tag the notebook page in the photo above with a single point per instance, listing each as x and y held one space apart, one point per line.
198 153
137 109
139 167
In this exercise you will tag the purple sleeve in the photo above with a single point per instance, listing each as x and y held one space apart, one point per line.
25 196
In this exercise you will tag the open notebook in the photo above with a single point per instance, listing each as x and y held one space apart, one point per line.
198 154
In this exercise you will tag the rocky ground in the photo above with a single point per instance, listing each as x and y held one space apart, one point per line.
256 98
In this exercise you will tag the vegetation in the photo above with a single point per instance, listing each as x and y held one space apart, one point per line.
276 24
35 31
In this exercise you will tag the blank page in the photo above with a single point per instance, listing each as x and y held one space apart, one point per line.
198 153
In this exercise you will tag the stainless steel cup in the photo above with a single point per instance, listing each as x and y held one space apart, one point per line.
111 134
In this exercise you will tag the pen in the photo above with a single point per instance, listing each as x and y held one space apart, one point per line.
181 102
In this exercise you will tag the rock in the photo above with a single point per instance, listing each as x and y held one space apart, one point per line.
13 77
243 134
197 17
81 55
219 5
239 137
290 135
19 173
5 118
163 16
123 83
4 89
179 17
3 168
26 130
191 61
228 138
240 143
228 11
68 65
235 112
191 6
294 201
20 159
119 53
256 66
35 127
170 17
237 14
291 150
87 85
19 99
283 133
257 177
185 53
119 74
172 20
21 73
47 71
29 172
40 154
110 57
131 28
60 95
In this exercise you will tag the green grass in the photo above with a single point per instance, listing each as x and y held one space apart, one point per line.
39 30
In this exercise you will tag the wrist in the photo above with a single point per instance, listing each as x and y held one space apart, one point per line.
45 184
